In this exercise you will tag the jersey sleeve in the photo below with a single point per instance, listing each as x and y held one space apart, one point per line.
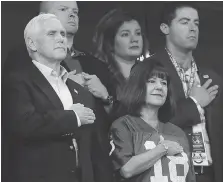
121 141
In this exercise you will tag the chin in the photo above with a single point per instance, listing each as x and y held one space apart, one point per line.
192 46
60 56
71 29
134 56
156 103
136 52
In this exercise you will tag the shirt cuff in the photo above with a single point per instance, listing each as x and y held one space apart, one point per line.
78 119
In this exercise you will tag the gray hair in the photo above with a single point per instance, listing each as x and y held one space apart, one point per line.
32 28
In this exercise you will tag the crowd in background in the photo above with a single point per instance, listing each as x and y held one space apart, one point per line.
117 113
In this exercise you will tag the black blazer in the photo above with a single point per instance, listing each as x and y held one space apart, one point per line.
39 131
186 113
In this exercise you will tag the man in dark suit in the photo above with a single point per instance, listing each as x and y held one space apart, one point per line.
197 91
97 146
43 109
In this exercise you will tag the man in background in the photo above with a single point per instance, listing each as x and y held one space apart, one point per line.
196 90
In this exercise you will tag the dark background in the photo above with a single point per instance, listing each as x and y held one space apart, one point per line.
15 16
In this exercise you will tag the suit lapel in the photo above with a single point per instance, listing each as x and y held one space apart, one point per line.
80 94
203 75
41 82
74 89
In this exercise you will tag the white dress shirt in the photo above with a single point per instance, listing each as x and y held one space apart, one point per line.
58 82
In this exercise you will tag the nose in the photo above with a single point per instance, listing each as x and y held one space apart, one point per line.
134 38
72 14
60 38
193 27
158 85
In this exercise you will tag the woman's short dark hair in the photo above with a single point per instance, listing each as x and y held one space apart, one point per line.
133 94
104 37
169 11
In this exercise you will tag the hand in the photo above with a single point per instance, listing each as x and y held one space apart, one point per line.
173 147
78 78
94 85
204 95
85 114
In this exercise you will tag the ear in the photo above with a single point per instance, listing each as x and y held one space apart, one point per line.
31 44
164 28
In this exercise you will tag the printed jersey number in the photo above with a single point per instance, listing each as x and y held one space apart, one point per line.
158 172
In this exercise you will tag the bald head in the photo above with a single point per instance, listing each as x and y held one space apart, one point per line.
66 12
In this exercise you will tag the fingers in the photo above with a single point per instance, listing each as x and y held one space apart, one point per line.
177 148
88 118
88 110
91 117
213 95
87 76
78 105
212 89
212 92
161 138
207 83
172 143
87 82
72 72
90 121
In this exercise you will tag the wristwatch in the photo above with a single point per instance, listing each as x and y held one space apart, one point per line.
109 100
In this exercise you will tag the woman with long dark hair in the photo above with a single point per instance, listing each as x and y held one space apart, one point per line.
145 145
119 40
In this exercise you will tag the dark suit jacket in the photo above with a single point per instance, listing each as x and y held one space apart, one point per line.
186 113
93 138
39 131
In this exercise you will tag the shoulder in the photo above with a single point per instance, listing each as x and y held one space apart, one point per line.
94 59
90 62
120 122
123 122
